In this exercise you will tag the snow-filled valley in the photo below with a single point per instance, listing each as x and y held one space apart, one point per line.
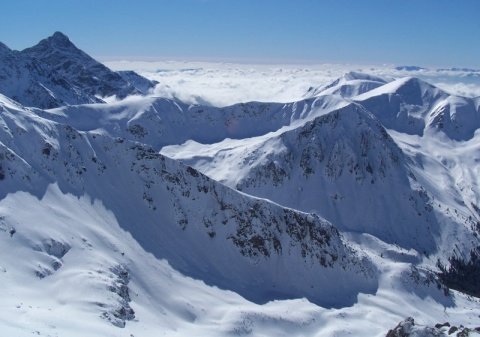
339 214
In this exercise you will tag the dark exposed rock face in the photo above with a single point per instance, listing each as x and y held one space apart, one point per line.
59 54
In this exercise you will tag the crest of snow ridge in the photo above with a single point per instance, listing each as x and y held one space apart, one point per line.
349 85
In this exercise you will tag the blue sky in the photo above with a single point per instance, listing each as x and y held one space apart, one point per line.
403 32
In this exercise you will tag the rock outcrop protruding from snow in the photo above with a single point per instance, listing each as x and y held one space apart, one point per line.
407 328
121 311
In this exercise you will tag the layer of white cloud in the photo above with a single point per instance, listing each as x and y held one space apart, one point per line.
222 84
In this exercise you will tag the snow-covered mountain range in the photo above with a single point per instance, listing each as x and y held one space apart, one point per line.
335 215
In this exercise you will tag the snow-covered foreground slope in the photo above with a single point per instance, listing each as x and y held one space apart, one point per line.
96 260
70 264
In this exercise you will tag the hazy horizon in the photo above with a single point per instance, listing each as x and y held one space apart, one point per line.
427 33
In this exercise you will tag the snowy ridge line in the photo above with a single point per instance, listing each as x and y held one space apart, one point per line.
160 122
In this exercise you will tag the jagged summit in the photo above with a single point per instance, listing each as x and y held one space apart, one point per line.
56 73
60 37
63 57
60 54
60 40
29 82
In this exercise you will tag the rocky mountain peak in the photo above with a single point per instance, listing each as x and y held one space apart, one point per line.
60 39
57 51
56 73
4 48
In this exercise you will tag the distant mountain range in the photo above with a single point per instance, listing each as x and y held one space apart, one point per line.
340 214
454 69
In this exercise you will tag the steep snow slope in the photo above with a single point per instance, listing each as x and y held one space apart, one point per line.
449 172
412 106
205 230
95 273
